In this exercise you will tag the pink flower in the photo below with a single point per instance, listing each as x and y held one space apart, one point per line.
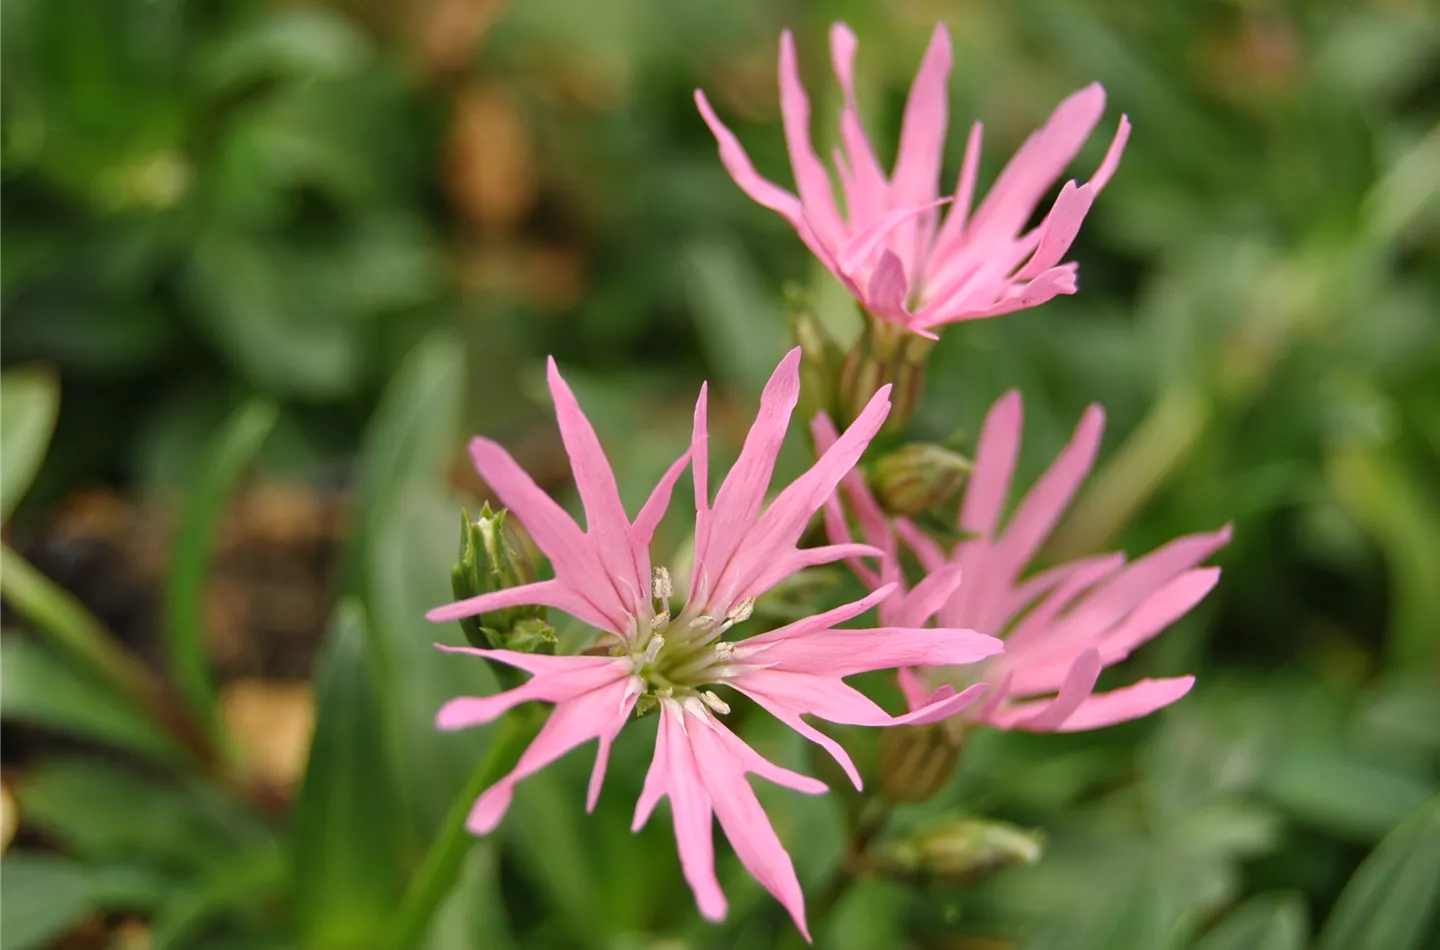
743 547
1061 626
889 246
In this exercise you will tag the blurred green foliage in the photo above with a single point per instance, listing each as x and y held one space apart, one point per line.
367 223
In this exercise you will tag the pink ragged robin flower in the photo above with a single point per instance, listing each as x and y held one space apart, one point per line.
1061 626
889 246
743 547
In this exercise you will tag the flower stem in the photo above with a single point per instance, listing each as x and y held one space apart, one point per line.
437 871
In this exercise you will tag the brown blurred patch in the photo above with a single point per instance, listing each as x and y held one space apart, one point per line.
549 277
9 817
447 32
490 172
1256 62
272 722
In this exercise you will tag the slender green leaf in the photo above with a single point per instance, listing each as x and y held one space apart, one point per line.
37 688
29 405
739 322
241 880
232 450
1392 900
347 845
102 812
1264 922
43 896
473 914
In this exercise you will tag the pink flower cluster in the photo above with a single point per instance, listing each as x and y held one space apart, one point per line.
974 640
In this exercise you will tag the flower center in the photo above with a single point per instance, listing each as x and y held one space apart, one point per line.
676 657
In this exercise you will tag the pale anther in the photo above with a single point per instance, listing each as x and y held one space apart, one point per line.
653 648
741 612
715 702
660 586
659 621
724 650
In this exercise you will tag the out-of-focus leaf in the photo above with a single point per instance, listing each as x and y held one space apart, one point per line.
741 324
1393 898
106 813
1265 922
29 404
299 43
347 845
240 880
230 452
39 689
1343 793
43 896
474 914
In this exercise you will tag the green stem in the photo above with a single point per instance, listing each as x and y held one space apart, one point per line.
441 864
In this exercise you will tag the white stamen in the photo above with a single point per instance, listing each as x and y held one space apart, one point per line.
714 702
741 611
653 648
660 586
704 620
724 651
659 621
695 707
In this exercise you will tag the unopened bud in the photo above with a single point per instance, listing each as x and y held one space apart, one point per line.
916 762
491 559
919 476
885 353
960 851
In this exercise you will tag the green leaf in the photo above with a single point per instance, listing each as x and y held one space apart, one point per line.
37 688
347 845
741 325
29 404
241 880
474 914
301 43
1264 922
232 450
1392 899
43 896
101 812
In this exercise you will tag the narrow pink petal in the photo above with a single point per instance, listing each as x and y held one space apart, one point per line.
916 691
690 810
783 565
1039 511
1111 162
916 179
885 296
840 653
643 531
762 191
790 716
931 556
1160 610
868 513
952 233
867 199
811 179
995 456
657 777
930 595
1128 702
1037 165
700 472
1055 282
607 739
1059 229
573 722
552 593
563 686
784 521
1074 690
944 704
823 696
538 663
1067 582
741 494
753 762
746 824
819 624
863 242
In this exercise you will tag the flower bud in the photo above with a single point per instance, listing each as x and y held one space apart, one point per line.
885 353
959 851
491 559
919 476
916 762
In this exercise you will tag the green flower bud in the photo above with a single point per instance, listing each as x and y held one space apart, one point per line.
916 762
919 476
820 359
959 851
885 353
491 559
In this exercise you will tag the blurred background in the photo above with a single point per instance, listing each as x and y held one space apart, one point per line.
266 265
